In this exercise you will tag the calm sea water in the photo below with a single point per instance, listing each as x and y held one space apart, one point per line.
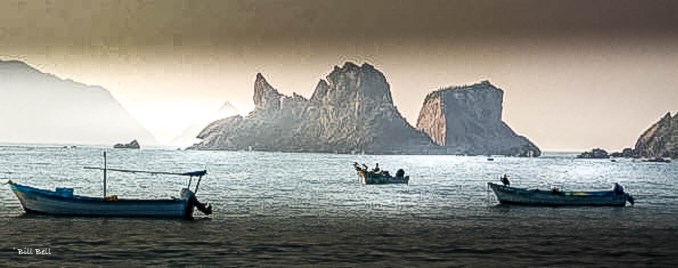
310 209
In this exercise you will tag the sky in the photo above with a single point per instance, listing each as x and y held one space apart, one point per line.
575 74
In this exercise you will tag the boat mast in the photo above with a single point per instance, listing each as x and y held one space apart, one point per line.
104 174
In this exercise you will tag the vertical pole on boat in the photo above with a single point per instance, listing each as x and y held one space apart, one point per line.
104 174
197 184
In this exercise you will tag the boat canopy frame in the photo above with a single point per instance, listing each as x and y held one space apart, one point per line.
190 174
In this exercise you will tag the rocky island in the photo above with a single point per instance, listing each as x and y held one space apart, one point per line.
660 140
349 112
352 111
132 145
467 119
595 153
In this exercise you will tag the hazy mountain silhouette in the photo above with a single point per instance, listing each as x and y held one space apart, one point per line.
36 107
189 135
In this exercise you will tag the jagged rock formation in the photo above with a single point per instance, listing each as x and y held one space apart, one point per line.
350 112
660 140
467 120
36 107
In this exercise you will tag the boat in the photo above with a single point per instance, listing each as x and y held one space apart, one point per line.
521 196
63 201
658 160
377 176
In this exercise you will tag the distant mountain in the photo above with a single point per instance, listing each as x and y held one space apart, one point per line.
189 135
660 140
36 107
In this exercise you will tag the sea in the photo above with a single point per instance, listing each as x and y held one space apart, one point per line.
303 209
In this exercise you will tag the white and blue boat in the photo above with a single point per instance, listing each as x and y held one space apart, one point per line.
64 202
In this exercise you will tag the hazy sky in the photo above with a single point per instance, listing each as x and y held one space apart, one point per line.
576 74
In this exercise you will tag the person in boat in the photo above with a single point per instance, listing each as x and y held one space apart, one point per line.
376 169
400 173
554 190
618 189
356 166
504 180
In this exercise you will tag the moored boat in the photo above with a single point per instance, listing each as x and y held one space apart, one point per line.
521 196
63 202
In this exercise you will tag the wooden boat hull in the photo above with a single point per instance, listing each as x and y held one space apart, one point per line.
368 177
511 195
53 203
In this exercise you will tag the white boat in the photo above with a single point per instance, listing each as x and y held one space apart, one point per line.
63 202
536 197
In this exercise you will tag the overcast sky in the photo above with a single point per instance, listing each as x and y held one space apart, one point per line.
576 74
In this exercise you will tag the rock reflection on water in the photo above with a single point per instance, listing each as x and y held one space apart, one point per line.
291 209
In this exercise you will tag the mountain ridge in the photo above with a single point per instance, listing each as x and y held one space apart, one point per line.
42 108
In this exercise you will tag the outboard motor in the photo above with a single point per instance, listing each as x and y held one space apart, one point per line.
193 202
400 173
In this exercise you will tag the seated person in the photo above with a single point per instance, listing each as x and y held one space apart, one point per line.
554 190
504 180
618 189
376 169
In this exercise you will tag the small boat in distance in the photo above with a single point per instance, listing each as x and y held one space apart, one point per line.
535 197
63 202
658 160
378 176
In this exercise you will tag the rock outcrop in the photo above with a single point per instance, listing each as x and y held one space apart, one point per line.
351 111
660 140
132 145
467 120
625 153
37 107
595 153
